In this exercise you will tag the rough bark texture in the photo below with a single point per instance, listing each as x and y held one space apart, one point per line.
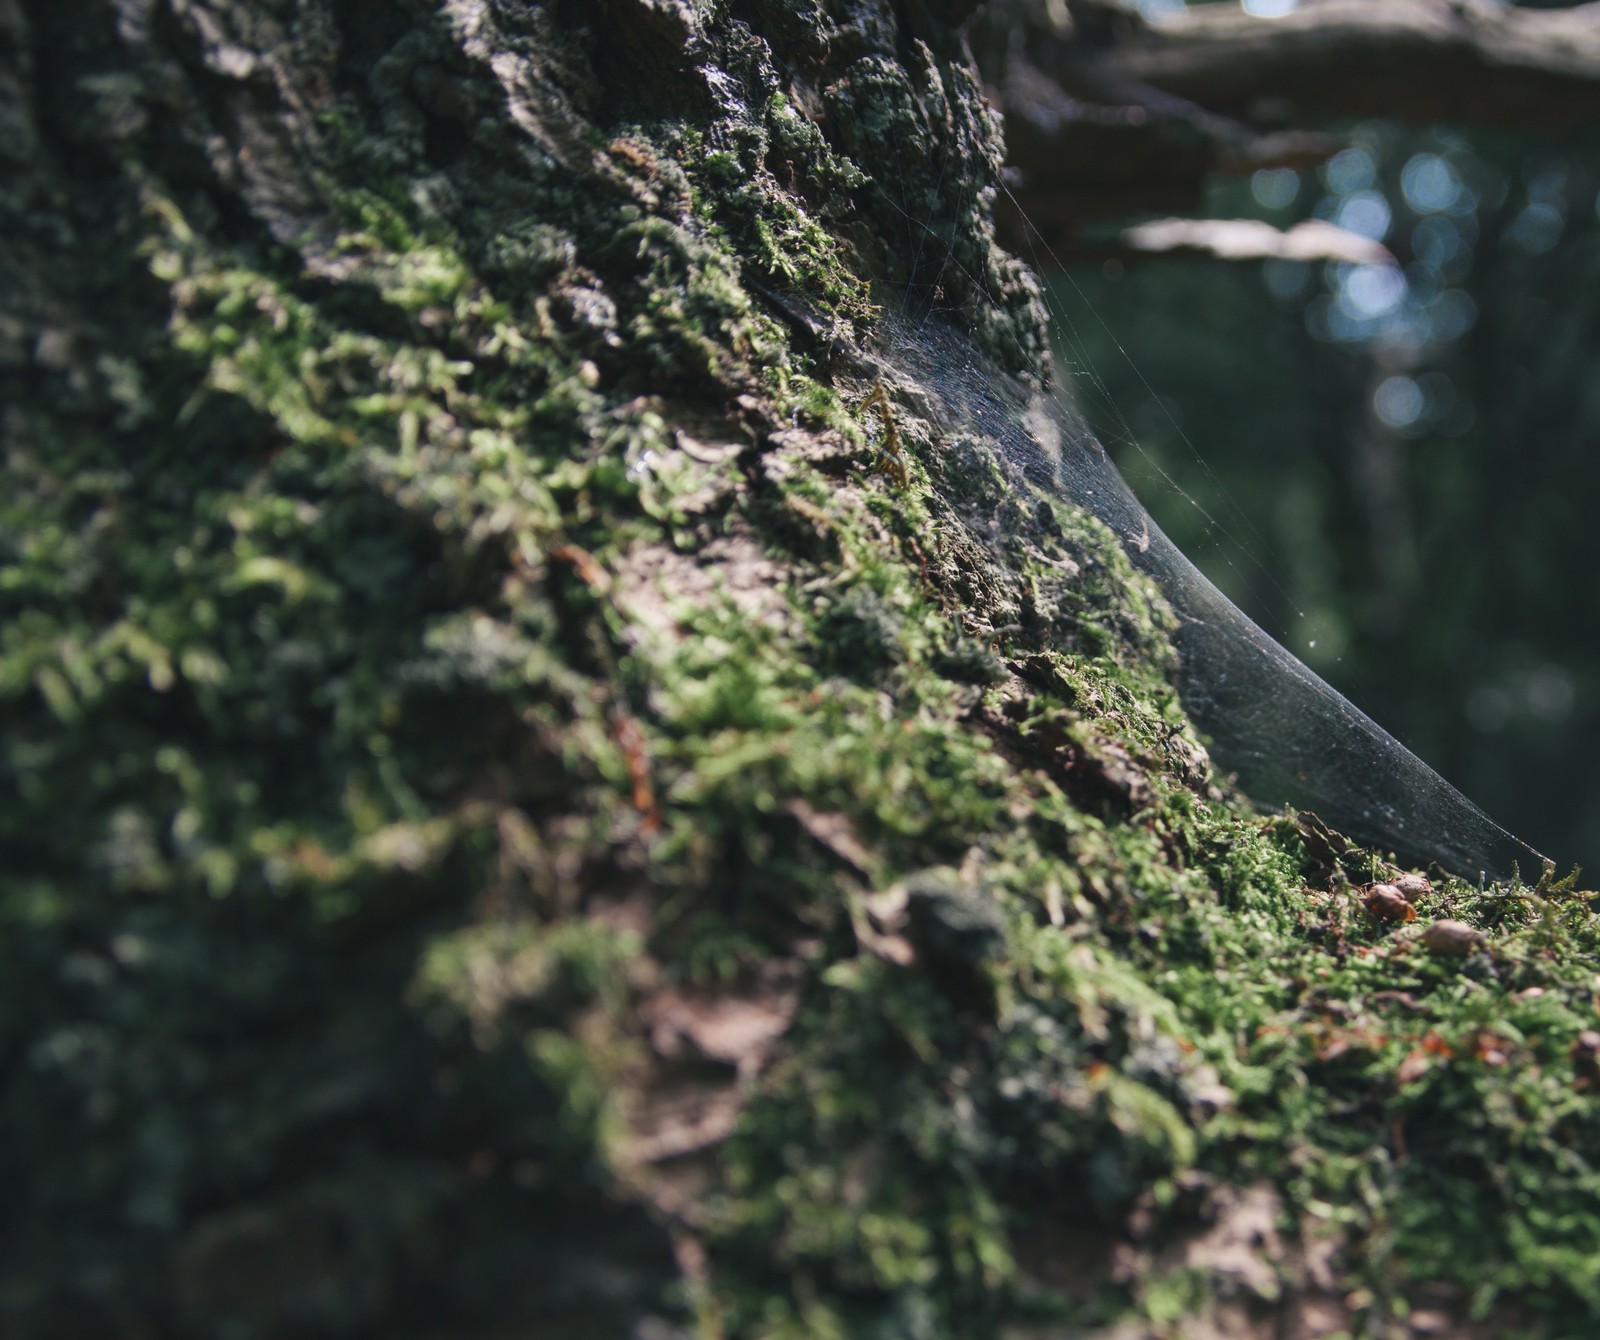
533 811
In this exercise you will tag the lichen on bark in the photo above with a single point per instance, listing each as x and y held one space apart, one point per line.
520 824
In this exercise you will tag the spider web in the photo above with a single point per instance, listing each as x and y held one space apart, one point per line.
1287 736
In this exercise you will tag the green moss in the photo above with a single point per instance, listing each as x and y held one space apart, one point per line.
465 628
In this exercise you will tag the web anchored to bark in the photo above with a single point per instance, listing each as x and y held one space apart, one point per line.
1289 737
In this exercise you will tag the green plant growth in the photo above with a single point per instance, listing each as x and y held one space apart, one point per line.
448 645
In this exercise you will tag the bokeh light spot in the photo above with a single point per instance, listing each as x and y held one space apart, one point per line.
1430 184
1453 313
1350 170
1537 229
1436 241
1367 213
1399 402
1287 281
1372 291
1275 188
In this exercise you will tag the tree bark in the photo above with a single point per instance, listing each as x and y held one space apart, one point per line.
557 788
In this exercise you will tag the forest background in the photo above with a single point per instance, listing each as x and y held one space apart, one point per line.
1415 461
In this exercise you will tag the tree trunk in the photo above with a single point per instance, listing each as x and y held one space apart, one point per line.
557 789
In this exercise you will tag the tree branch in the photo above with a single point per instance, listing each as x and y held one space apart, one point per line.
1418 60
1108 115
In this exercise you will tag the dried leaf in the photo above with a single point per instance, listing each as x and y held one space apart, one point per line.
1384 902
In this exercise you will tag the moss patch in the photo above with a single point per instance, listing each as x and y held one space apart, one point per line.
521 819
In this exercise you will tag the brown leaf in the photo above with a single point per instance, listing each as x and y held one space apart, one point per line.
630 739
1384 902
595 577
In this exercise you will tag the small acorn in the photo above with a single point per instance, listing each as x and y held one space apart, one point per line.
1385 902
1453 938
1413 886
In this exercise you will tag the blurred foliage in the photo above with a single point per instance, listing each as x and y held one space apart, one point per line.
1391 468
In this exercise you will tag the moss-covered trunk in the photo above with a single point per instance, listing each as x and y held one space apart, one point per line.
551 790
